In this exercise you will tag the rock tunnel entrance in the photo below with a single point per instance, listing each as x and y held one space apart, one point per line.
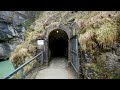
58 44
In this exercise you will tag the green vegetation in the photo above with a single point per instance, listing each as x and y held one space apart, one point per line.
105 36
26 50
29 22
98 31
97 35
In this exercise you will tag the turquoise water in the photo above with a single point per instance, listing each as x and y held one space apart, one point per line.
6 68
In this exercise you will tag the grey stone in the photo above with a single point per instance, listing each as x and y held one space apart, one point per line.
4 51
111 60
11 30
118 51
88 58
7 47
13 17
4 36
17 20
7 32
3 25
6 16
4 28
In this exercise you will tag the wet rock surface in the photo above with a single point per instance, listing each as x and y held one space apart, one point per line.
11 30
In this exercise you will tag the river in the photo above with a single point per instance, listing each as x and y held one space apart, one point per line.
6 68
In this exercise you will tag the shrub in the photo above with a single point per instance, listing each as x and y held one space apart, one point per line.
106 35
86 40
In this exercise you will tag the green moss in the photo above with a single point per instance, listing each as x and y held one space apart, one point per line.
88 14
39 14
98 72
102 35
29 22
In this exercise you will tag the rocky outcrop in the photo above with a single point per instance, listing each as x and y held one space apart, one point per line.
98 40
11 30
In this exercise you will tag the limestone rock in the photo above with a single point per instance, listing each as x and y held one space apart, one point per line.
4 51
11 30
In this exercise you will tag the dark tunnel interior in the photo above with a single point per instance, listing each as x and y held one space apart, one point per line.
58 44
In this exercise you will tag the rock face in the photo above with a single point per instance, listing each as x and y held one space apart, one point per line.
4 50
99 44
97 34
11 30
102 59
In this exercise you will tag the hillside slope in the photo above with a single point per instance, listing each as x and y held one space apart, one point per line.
98 39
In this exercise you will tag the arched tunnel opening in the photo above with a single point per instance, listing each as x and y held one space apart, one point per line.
58 44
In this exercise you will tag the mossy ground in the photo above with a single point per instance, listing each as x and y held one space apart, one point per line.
97 37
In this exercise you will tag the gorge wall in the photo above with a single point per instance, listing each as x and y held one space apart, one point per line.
11 30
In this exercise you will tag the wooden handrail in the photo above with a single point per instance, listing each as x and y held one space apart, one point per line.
22 66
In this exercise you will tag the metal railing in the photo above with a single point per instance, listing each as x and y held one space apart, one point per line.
22 66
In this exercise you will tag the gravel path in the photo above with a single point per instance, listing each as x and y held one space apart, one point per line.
58 69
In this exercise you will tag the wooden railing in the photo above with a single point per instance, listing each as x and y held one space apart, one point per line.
20 69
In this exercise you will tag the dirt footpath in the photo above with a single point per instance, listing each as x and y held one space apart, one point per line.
58 69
